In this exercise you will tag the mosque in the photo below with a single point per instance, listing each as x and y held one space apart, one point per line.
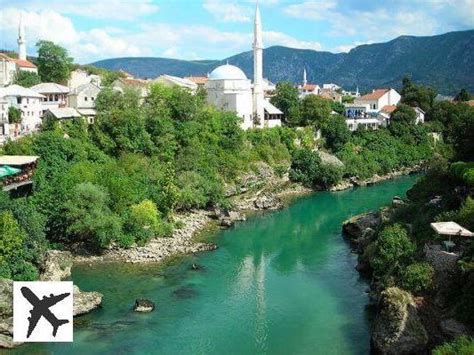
229 89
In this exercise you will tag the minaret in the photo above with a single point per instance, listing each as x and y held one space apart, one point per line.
304 77
21 40
258 110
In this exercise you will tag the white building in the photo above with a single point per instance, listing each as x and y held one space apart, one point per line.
9 67
308 89
82 98
420 115
170 80
63 113
331 86
229 89
380 98
55 95
80 77
28 102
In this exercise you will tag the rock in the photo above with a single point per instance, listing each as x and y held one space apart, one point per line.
56 265
397 327
6 314
84 302
196 267
330 159
267 202
143 305
397 202
343 185
226 222
185 292
452 328
356 226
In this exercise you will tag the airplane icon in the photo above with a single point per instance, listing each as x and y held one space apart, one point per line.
41 309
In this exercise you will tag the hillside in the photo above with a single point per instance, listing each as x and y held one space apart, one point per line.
445 62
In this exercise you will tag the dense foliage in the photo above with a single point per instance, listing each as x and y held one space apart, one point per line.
26 79
54 63
460 346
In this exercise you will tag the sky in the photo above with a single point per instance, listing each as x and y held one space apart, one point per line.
215 29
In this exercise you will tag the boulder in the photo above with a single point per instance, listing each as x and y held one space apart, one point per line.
267 202
330 159
143 305
84 302
226 222
56 265
356 226
397 201
6 314
397 327
452 328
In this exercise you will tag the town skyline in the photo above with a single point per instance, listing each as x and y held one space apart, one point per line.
213 29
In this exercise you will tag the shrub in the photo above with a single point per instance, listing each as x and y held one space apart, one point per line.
393 249
462 345
143 221
417 277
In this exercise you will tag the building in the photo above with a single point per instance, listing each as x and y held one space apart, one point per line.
307 89
330 94
82 98
170 80
63 113
379 98
140 85
80 77
420 115
55 95
229 89
29 103
331 86
9 67
200 81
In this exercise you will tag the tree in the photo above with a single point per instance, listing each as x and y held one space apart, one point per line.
89 217
14 115
417 277
403 114
338 107
287 100
315 110
417 95
26 79
336 133
54 63
393 249
462 96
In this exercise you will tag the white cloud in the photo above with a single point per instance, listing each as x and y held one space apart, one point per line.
279 38
96 9
225 11
314 10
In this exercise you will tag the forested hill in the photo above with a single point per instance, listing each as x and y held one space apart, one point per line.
445 62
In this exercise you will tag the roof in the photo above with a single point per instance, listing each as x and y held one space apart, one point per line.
227 72
17 90
16 160
7 58
470 102
374 95
134 82
23 63
84 87
272 110
177 81
416 108
87 111
388 108
200 80
451 228
50 88
309 87
64 112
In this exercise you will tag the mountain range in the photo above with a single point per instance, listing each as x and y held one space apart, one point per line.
445 62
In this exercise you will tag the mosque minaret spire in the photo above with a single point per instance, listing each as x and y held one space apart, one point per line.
304 77
21 40
258 96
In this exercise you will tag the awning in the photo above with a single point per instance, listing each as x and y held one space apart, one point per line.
17 160
271 110
451 228
8 171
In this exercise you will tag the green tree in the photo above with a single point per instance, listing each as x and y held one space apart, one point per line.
462 345
338 107
14 115
393 250
336 133
417 95
462 96
417 277
287 100
403 114
54 63
315 110
26 79
89 217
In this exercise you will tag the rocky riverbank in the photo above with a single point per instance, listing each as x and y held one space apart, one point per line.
258 190
56 267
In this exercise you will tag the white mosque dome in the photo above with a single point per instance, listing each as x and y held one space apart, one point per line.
227 72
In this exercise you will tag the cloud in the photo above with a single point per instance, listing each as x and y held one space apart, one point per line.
225 11
313 10
279 38
347 47
127 10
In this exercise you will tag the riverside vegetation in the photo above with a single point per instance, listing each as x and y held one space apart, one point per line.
122 179
424 294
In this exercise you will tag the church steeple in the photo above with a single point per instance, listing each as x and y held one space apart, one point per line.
258 97
21 40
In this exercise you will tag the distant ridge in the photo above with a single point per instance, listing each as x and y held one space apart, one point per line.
445 62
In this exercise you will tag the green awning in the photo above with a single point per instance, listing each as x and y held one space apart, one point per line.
8 171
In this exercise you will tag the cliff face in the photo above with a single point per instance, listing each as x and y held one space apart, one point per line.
445 62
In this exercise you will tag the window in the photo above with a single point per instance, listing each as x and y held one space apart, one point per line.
92 98
56 97
85 98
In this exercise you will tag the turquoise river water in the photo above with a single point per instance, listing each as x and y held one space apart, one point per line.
280 283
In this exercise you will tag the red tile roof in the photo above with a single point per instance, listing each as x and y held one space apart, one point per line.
309 87
200 80
375 95
389 108
24 63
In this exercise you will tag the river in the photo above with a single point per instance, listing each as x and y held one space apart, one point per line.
280 283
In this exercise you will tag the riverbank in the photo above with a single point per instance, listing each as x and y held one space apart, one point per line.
260 190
